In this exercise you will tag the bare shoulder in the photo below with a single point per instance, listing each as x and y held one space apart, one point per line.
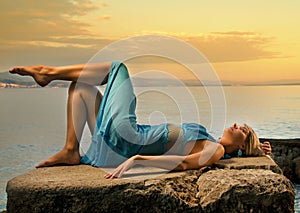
220 150
215 150
216 146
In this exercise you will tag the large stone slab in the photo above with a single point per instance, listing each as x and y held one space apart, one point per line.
82 188
265 162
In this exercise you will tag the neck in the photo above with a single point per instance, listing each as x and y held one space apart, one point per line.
229 148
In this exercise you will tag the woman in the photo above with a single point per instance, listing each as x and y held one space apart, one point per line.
118 139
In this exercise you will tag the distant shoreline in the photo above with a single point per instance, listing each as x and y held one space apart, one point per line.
8 80
66 85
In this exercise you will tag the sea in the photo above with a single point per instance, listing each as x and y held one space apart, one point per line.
33 120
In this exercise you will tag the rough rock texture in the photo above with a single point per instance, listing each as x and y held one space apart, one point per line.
249 163
83 189
296 163
244 191
285 153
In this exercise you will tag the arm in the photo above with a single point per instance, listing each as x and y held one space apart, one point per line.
209 155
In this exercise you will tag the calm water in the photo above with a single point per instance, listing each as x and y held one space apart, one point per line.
32 124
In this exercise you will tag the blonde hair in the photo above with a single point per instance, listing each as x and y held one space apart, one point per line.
252 143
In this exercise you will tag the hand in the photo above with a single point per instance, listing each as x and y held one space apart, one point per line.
119 171
266 147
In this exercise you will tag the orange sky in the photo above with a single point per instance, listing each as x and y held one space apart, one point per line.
246 41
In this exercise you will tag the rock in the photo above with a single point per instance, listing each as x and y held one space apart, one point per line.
245 191
285 151
249 163
82 188
296 163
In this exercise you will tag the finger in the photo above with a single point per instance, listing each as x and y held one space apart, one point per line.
115 173
267 150
107 176
266 145
112 177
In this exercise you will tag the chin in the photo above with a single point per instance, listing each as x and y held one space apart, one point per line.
227 133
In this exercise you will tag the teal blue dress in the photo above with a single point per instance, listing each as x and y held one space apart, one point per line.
117 136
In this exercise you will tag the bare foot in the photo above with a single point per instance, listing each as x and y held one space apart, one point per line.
37 72
65 156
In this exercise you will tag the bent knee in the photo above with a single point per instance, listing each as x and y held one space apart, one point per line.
71 87
83 89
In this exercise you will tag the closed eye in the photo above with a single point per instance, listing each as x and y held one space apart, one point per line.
244 130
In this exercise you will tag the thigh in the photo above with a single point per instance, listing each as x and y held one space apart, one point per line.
121 100
92 99
117 109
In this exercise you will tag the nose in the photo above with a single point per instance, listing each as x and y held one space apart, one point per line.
235 125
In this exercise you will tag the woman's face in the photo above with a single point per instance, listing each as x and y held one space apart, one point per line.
235 135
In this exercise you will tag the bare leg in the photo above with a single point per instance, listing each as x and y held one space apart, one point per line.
83 106
92 74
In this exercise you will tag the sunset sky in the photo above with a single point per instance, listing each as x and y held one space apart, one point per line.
246 41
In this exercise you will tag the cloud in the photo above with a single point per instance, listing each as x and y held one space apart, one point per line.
30 53
25 54
235 46
230 46
49 32
104 17
54 30
242 33
216 46
39 20
103 5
